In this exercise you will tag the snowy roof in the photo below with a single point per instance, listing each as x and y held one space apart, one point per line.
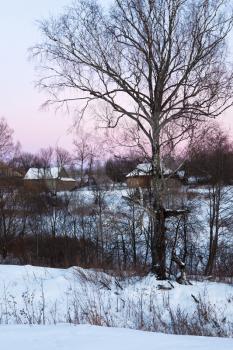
181 174
67 179
42 173
197 179
141 169
45 173
146 169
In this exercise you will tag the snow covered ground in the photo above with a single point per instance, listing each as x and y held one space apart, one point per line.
84 337
36 295
38 307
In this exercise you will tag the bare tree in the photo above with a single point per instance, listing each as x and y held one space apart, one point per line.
162 64
83 154
86 150
6 139
44 158
211 158
23 161
62 157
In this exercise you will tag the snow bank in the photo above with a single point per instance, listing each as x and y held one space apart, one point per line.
37 295
64 337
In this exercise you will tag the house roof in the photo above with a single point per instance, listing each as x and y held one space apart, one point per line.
42 173
144 169
67 179
45 173
141 170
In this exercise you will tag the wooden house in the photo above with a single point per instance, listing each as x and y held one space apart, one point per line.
140 179
142 176
54 179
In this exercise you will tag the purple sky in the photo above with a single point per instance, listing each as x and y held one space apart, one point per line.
20 101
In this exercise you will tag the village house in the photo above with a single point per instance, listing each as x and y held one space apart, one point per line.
142 176
140 180
54 179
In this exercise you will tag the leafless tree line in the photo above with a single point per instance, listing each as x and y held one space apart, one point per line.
162 65
65 229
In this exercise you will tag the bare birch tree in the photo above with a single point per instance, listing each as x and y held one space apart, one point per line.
161 63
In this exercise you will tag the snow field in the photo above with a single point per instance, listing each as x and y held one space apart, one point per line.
84 337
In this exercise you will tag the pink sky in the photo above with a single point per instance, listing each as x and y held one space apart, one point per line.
20 101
